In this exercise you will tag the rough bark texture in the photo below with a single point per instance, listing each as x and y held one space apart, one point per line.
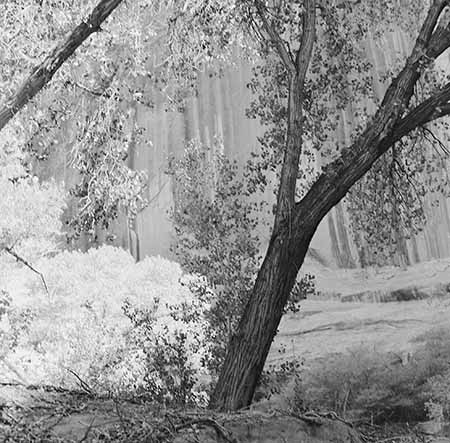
295 227
43 73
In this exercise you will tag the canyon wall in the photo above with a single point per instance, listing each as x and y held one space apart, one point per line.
219 108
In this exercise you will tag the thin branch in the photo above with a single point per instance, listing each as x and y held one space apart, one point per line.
406 175
435 139
28 265
88 430
83 384
276 40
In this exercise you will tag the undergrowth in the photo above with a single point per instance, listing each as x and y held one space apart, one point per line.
365 384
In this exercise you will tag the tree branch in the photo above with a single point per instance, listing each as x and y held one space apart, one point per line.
434 107
276 40
43 73
306 45
430 23
294 136
28 265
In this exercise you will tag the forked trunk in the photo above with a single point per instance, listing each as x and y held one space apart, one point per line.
295 223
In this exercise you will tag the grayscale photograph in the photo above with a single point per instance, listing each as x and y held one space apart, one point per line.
225 221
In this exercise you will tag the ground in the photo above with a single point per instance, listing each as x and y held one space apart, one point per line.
346 314
361 307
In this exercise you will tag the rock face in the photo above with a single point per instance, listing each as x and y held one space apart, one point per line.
274 429
219 109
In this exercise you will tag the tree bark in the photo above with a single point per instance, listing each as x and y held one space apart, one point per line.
294 227
43 73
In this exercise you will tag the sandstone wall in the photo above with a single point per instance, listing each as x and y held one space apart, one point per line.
219 108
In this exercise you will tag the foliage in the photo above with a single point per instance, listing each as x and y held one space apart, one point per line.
14 323
365 383
107 185
147 51
174 348
303 288
170 376
80 330
30 209
275 378
342 68
389 204
215 223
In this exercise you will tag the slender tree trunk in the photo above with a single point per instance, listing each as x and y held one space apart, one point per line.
43 73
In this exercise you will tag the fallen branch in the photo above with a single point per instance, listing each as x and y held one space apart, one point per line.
83 385
88 430
309 417
396 437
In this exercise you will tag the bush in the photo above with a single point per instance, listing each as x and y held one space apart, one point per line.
85 325
365 383
216 219
30 210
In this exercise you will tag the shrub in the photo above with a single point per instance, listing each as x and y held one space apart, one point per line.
216 220
30 210
80 327
364 383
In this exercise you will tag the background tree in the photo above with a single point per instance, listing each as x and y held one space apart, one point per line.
150 51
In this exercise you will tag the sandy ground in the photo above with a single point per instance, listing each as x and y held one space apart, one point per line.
326 325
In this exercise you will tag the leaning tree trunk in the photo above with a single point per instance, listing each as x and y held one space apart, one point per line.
43 73
249 348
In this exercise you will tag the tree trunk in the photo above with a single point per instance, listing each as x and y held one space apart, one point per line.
43 73
249 348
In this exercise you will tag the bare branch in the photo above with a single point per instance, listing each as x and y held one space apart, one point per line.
435 140
28 265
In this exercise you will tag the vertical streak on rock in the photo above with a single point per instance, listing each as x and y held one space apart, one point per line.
334 240
346 254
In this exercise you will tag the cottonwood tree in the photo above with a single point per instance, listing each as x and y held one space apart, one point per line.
322 37
148 52
396 116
